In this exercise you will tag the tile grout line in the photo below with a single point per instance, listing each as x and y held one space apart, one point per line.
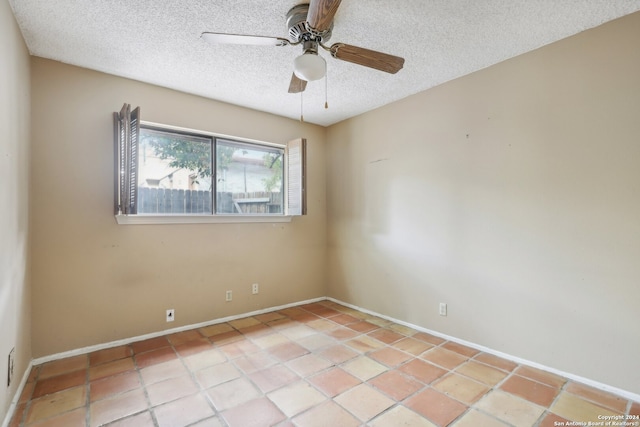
278 362
306 379
336 365
425 386
547 410
138 370
494 387
246 374
313 374
87 415
396 403
27 406
469 407
201 390
333 366
520 361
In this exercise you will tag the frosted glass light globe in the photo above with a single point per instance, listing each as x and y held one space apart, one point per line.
309 67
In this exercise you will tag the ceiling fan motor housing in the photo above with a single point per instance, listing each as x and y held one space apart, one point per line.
298 28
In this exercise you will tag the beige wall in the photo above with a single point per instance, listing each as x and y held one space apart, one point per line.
513 195
95 281
15 309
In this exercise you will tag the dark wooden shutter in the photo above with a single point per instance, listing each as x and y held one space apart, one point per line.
127 135
296 153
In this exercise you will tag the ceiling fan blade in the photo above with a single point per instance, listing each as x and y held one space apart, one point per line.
369 58
321 13
222 38
297 85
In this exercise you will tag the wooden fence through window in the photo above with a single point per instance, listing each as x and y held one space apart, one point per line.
188 202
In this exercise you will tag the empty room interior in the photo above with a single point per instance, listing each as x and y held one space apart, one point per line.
469 255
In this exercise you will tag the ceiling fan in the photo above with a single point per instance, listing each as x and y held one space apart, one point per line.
310 25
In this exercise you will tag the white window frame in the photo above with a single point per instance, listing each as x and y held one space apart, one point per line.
126 160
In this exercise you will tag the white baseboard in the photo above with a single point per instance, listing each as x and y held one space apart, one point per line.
125 341
595 384
92 348
34 362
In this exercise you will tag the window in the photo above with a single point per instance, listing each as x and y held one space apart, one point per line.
164 173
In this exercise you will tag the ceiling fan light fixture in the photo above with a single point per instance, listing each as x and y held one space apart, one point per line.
309 66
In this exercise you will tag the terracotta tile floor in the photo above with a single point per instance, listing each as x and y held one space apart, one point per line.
318 364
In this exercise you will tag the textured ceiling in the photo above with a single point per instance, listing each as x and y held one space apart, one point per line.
158 41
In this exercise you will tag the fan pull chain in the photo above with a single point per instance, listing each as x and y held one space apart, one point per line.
326 102
301 110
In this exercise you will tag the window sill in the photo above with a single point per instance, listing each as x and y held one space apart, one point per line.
199 219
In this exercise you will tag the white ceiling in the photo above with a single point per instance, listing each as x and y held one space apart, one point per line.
158 41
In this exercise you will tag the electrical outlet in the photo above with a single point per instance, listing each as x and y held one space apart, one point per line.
229 296
443 309
171 315
255 288
10 365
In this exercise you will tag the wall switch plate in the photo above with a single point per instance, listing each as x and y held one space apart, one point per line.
443 309
229 296
10 366
171 315
255 288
